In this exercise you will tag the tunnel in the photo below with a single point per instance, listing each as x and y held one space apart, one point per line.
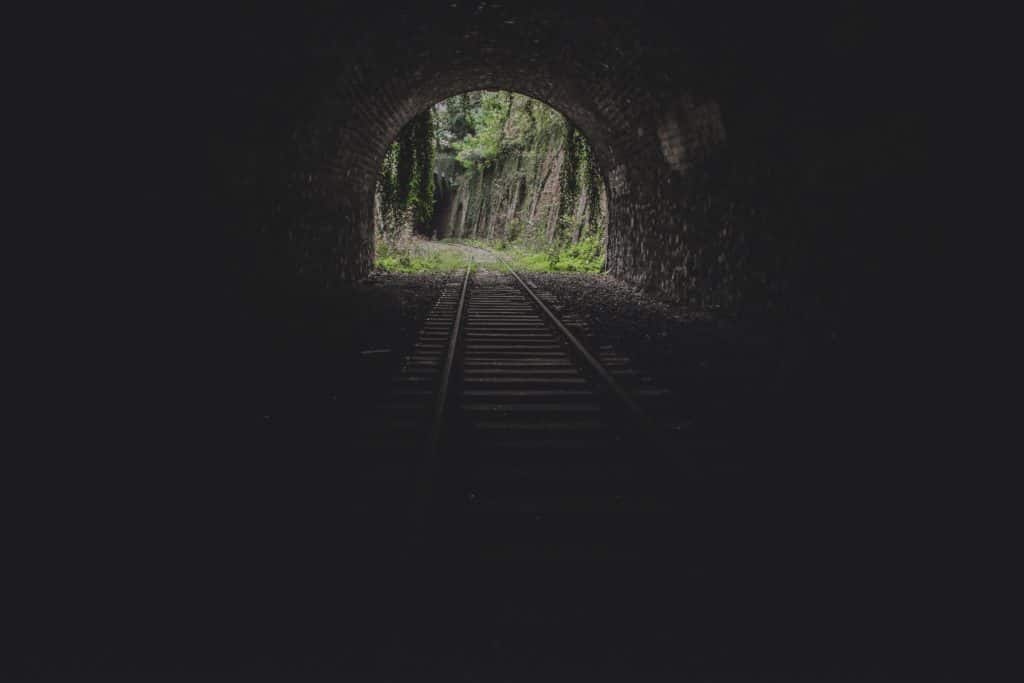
208 507
698 139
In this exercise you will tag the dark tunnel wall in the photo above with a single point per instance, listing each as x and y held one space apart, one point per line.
739 148
757 156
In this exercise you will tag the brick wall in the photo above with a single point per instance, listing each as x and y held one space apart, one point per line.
708 133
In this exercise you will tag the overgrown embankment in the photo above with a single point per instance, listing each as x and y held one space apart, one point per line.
495 168
527 177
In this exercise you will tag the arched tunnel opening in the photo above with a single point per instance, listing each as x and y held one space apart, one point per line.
497 168
703 452
663 164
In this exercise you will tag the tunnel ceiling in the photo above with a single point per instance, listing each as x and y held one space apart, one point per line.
720 134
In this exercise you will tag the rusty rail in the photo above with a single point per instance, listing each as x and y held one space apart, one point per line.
592 363
441 401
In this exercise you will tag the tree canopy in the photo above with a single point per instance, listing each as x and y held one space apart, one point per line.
481 127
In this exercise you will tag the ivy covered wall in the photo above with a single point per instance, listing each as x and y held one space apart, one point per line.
405 193
527 174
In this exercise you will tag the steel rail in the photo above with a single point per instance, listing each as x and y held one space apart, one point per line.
441 400
592 363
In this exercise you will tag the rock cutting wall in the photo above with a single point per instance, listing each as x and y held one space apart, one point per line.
518 197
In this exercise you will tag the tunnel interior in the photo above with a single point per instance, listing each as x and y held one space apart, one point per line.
702 152
758 162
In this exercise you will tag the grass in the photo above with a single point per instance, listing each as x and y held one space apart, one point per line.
585 256
410 257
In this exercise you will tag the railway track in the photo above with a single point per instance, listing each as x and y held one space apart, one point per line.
540 506
501 409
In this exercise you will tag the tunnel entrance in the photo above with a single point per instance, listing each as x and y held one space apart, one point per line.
759 157
722 166
661 155
523 177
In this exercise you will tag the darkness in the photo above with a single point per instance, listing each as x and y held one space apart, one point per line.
160 530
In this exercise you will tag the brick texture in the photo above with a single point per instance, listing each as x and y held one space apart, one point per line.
722 157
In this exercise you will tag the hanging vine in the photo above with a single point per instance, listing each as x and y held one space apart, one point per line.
406 181
568 179
387 185
421 194
593 183
404 167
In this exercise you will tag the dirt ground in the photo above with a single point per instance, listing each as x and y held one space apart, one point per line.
482 257
234 513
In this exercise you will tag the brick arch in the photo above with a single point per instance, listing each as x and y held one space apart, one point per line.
621 123
308 163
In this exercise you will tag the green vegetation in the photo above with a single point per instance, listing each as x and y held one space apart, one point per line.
481 128
525 182
405 187
410 257
585 256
